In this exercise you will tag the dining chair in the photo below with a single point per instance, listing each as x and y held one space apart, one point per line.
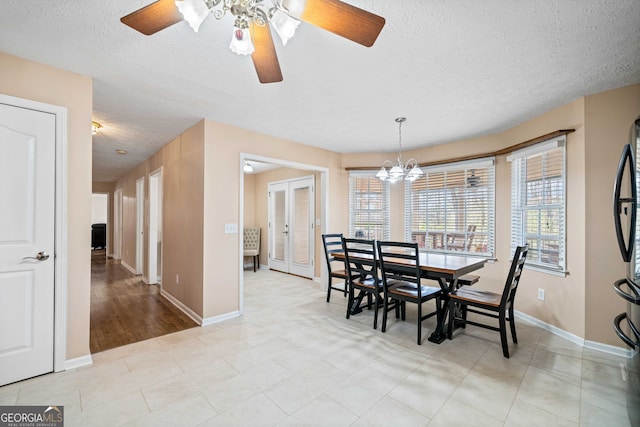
362 271
336 268
491 304
400 271
251 244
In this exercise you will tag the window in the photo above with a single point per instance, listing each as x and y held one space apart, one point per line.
368 206
451 208
538 203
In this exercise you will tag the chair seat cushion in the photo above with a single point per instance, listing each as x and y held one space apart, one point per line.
410 289
250 252
477 295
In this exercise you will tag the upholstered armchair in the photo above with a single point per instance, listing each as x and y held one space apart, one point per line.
252 245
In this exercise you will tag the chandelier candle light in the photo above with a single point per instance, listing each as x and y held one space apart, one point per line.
399 170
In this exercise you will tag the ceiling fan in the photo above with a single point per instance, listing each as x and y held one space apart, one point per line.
251 33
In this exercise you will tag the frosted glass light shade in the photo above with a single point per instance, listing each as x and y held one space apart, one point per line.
284 25
295 7
382 174
193 11
396 172
241 41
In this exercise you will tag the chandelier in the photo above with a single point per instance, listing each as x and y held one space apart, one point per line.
245 12
399 170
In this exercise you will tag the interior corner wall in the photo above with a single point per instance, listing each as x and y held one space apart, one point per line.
29 80
182 204
609 126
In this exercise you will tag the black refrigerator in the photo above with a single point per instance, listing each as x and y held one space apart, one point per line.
627 323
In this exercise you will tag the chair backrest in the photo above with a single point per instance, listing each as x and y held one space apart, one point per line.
361 259
400 261
332 244
513 279
251 238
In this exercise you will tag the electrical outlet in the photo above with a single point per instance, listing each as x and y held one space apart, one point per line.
177 279
541 294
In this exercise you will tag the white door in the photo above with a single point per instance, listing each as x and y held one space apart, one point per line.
27 188
291 226
279 226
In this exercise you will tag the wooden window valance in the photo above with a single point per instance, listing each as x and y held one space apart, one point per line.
500 152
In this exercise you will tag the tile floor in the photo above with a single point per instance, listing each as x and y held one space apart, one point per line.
294 360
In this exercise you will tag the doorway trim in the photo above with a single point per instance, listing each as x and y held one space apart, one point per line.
140 227
323 209
117 223
60 224
155 223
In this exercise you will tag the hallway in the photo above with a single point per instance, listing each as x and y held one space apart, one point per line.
125 310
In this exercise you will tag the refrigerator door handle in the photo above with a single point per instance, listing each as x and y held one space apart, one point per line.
626 247
633 297
616 325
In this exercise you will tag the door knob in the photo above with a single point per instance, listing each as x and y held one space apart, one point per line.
41 256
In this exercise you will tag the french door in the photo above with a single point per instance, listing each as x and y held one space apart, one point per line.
291 226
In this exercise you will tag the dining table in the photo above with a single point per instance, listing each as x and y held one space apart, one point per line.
446 269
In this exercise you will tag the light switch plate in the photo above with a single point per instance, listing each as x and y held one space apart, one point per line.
231 229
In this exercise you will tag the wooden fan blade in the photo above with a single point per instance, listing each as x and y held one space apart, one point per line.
154 17
345 20
265 59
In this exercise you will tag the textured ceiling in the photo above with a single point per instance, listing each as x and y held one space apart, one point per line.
455 69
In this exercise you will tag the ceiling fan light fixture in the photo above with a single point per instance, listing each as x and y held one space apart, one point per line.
284 25
241 40
294 8
193 11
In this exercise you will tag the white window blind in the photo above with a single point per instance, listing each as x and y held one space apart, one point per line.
451 208
368 206
538 196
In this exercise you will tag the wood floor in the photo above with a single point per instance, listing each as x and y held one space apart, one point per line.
125 310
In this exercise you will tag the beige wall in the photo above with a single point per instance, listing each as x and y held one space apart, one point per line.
107 188
609 124
30 80
182 203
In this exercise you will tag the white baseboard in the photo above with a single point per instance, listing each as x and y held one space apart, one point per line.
611 349
186 310
128 267
221 318
195 316
78 362
605 348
